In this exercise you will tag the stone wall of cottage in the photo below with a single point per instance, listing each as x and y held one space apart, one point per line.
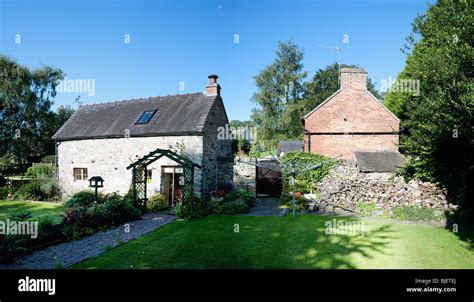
109 158
245 174
217 152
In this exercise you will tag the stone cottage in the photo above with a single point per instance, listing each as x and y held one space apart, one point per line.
103 139
350 121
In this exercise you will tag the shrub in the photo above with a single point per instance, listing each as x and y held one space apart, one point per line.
305 182
215 206
366 209
45 225
83 198
157 203
235 207
30 191
3 192
40 172
11 246
114 209
192 209
241 195
414 213
119 210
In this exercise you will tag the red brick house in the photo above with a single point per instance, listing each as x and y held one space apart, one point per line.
350 120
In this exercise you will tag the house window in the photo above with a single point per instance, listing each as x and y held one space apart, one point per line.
149 174
146 117
80 173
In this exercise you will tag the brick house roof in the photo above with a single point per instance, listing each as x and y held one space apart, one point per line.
175 115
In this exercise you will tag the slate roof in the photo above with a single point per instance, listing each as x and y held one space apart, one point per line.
379 161
289 146
176 115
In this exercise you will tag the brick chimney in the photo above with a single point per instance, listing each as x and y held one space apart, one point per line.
213 88
353 78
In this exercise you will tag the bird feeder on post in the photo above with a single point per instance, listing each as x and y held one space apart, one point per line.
96 182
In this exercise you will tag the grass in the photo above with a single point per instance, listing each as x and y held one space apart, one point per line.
273 242
37 209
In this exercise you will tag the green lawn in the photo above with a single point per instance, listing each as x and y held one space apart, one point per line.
272 242
37 209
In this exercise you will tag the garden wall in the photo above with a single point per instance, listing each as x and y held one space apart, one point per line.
244 174
345 186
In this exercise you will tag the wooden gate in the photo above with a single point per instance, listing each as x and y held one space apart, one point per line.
268 181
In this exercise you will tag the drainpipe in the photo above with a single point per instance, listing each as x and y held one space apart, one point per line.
308 133
56 144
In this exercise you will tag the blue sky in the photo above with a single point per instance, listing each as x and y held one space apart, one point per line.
184 41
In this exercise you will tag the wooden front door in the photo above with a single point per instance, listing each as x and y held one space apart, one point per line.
172 184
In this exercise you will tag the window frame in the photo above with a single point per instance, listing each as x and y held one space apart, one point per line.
152 112
80 171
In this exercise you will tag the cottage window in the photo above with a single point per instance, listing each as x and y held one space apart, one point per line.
149 174
146 117
80 173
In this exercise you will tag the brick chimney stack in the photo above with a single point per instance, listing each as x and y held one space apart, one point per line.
353 78
213 88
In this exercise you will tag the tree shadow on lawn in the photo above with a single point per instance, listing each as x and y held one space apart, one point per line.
302 243
462 221
339 250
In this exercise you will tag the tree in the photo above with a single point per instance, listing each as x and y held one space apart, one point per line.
324 83
279 96
438 121
242 144
25 101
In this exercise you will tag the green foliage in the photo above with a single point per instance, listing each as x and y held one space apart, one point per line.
157 203
237 206
40 172
44 185
234 202
30 191
241 146
83 198
192 209
82 220
45 224
11 246
324 83
3 192
26 120
7 163
367 208
413 213
438 122
215 206
305 182
279 96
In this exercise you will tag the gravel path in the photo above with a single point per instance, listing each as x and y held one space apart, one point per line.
70 253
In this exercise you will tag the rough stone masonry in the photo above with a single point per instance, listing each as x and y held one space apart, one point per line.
345 186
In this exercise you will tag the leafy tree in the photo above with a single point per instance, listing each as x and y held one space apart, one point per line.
438 121
279 96
241 145
25 101
324 83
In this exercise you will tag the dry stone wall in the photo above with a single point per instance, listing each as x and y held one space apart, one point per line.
345 186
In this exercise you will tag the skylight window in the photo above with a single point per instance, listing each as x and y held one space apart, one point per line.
146 117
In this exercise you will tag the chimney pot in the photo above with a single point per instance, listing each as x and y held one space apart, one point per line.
213 88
